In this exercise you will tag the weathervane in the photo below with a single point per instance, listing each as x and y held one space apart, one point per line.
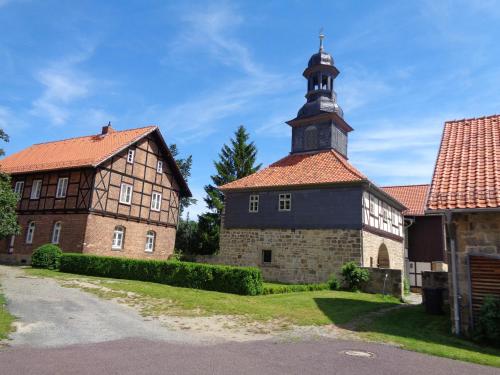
321 37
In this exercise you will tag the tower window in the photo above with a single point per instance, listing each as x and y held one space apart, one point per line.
315 83
311 138
324 83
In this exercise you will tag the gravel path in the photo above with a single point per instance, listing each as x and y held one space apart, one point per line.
50 315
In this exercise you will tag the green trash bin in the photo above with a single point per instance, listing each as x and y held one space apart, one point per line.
433 298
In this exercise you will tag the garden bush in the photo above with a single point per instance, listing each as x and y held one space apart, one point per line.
46 256
333 283
354 276
488 324
238 280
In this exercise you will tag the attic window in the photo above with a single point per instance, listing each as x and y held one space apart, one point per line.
159 167
130 156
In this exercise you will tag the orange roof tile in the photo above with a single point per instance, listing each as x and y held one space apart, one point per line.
72 153
467 171
412 196
327 167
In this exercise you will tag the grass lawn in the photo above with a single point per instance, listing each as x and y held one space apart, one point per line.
415 330
301 308
5 319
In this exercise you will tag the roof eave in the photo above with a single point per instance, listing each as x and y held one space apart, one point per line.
293 186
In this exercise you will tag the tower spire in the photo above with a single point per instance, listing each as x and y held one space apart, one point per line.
321 37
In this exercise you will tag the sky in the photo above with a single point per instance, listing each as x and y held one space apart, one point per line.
199 69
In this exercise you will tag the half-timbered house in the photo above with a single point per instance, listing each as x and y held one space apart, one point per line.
304 216
114 193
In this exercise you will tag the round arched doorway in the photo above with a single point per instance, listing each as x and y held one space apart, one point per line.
383 257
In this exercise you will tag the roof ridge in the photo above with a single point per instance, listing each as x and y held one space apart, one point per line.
91 135
411 185
351 167
472 118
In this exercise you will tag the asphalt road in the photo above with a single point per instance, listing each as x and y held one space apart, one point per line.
136 356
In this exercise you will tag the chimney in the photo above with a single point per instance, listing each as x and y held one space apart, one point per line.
107 129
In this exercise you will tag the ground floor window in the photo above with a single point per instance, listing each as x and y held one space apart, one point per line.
118 238
56 232
267 256
150 241
30 233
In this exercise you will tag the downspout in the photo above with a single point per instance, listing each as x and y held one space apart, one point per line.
454 274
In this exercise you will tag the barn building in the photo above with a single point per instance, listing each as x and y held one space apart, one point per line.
113 193
305 215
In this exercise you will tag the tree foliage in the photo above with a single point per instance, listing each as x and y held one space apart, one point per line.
236 160
8 201
184 165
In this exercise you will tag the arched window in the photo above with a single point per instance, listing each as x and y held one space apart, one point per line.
383 257
30 233
118 238
150 241
56 232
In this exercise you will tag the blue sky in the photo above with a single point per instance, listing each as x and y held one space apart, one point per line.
200 69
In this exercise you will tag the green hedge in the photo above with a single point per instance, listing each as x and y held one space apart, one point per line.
238 280
290 288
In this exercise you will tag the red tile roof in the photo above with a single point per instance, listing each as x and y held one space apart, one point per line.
326 167
467 172
72 153
412 196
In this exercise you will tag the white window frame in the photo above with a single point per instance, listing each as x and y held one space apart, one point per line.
126 191
30 233
19 188
156 202
373 206
386 215
286 199
150 241
62 187
159 166
130 156
118 238
36 189
56 232
253 203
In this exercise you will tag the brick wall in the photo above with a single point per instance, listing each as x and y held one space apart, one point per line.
99 235
298 256
71 239
371 246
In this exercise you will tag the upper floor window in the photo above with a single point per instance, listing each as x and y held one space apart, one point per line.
56 232
30 233
130 156
156 201
285 202
150 241
62 187
36 189
387 215
19 187
253 204
126 194
118 238
373 206
159 167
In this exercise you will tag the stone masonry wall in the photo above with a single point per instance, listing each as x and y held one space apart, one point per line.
99 235
475 233
385 281
371 246
298 256
71 239
436 280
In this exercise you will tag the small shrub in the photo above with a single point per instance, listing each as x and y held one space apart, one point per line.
488 324
406 286
354 276
333 283
46 256
176 256
238 280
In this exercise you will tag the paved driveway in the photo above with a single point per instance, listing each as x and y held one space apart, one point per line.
114 339
50 315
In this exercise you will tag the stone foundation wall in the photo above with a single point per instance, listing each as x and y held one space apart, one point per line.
99 235
434 280
385 281
298 256
475 233
371 246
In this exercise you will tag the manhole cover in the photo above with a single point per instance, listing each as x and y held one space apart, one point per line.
358 353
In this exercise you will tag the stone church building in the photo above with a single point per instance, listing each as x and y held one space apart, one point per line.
113 193
305 215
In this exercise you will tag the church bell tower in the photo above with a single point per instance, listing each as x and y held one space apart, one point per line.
319 124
